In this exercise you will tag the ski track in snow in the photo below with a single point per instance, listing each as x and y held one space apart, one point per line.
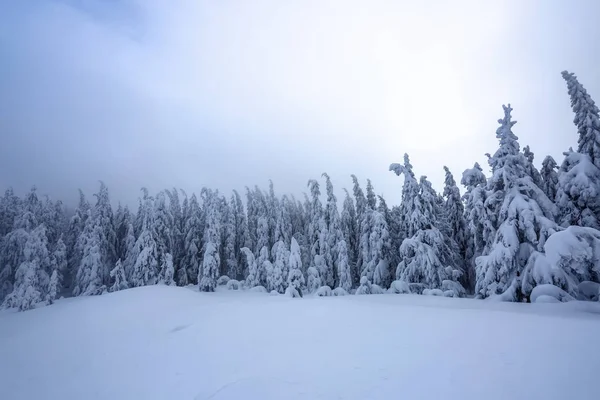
174 343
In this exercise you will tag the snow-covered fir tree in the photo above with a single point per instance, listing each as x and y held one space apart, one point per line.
53 287
118 277
167 271
343 267
586 118
523 218
549 176
479 226
295 276
207 279
145 268
349 225
313 280
190 266
454 218
253 276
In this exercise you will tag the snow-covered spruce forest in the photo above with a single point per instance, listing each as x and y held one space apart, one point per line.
512 230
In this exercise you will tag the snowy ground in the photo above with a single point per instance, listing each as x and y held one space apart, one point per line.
174 343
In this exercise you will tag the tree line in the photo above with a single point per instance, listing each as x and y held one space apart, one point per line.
509 232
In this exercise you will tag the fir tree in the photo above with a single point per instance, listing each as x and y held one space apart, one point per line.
253 277
524 218
167 271
586 119
53 287
343 267
295 275
118 277
549 177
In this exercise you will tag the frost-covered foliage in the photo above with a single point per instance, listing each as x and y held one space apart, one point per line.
479 224
376 289
586 118
365 286
523 218
324 291
292 292
399 287
427 252
207 281
549 176
223 280
295 276
313 281
433 292
339 291
261 265
32 282
167 271
343 267
211 262
192 243
53 287
454 287
350 232
454 216
550 291
118 276
578 191
588 290
233 284
507 235
253 278
576 252
259 289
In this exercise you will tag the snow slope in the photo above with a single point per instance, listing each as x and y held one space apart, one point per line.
161 342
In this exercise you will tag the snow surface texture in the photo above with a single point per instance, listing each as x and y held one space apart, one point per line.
246 345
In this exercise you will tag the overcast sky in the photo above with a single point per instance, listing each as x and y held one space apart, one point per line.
189 93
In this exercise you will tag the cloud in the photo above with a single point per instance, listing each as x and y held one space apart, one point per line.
231 93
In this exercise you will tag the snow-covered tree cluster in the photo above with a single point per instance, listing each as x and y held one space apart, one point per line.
507 233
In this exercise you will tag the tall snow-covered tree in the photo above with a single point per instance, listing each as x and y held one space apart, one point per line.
479 225
549 177
190 266
343 267
53 288
453 212
207 279
76 226
315 221
229 241
349 225
10 207
523 218
177 228
426 256
253 276
118 277
89 280
145 267
334 231
295 276
586 119
162 225
167 271
241 230
102 215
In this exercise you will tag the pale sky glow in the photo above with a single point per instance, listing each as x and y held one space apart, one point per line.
231 93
